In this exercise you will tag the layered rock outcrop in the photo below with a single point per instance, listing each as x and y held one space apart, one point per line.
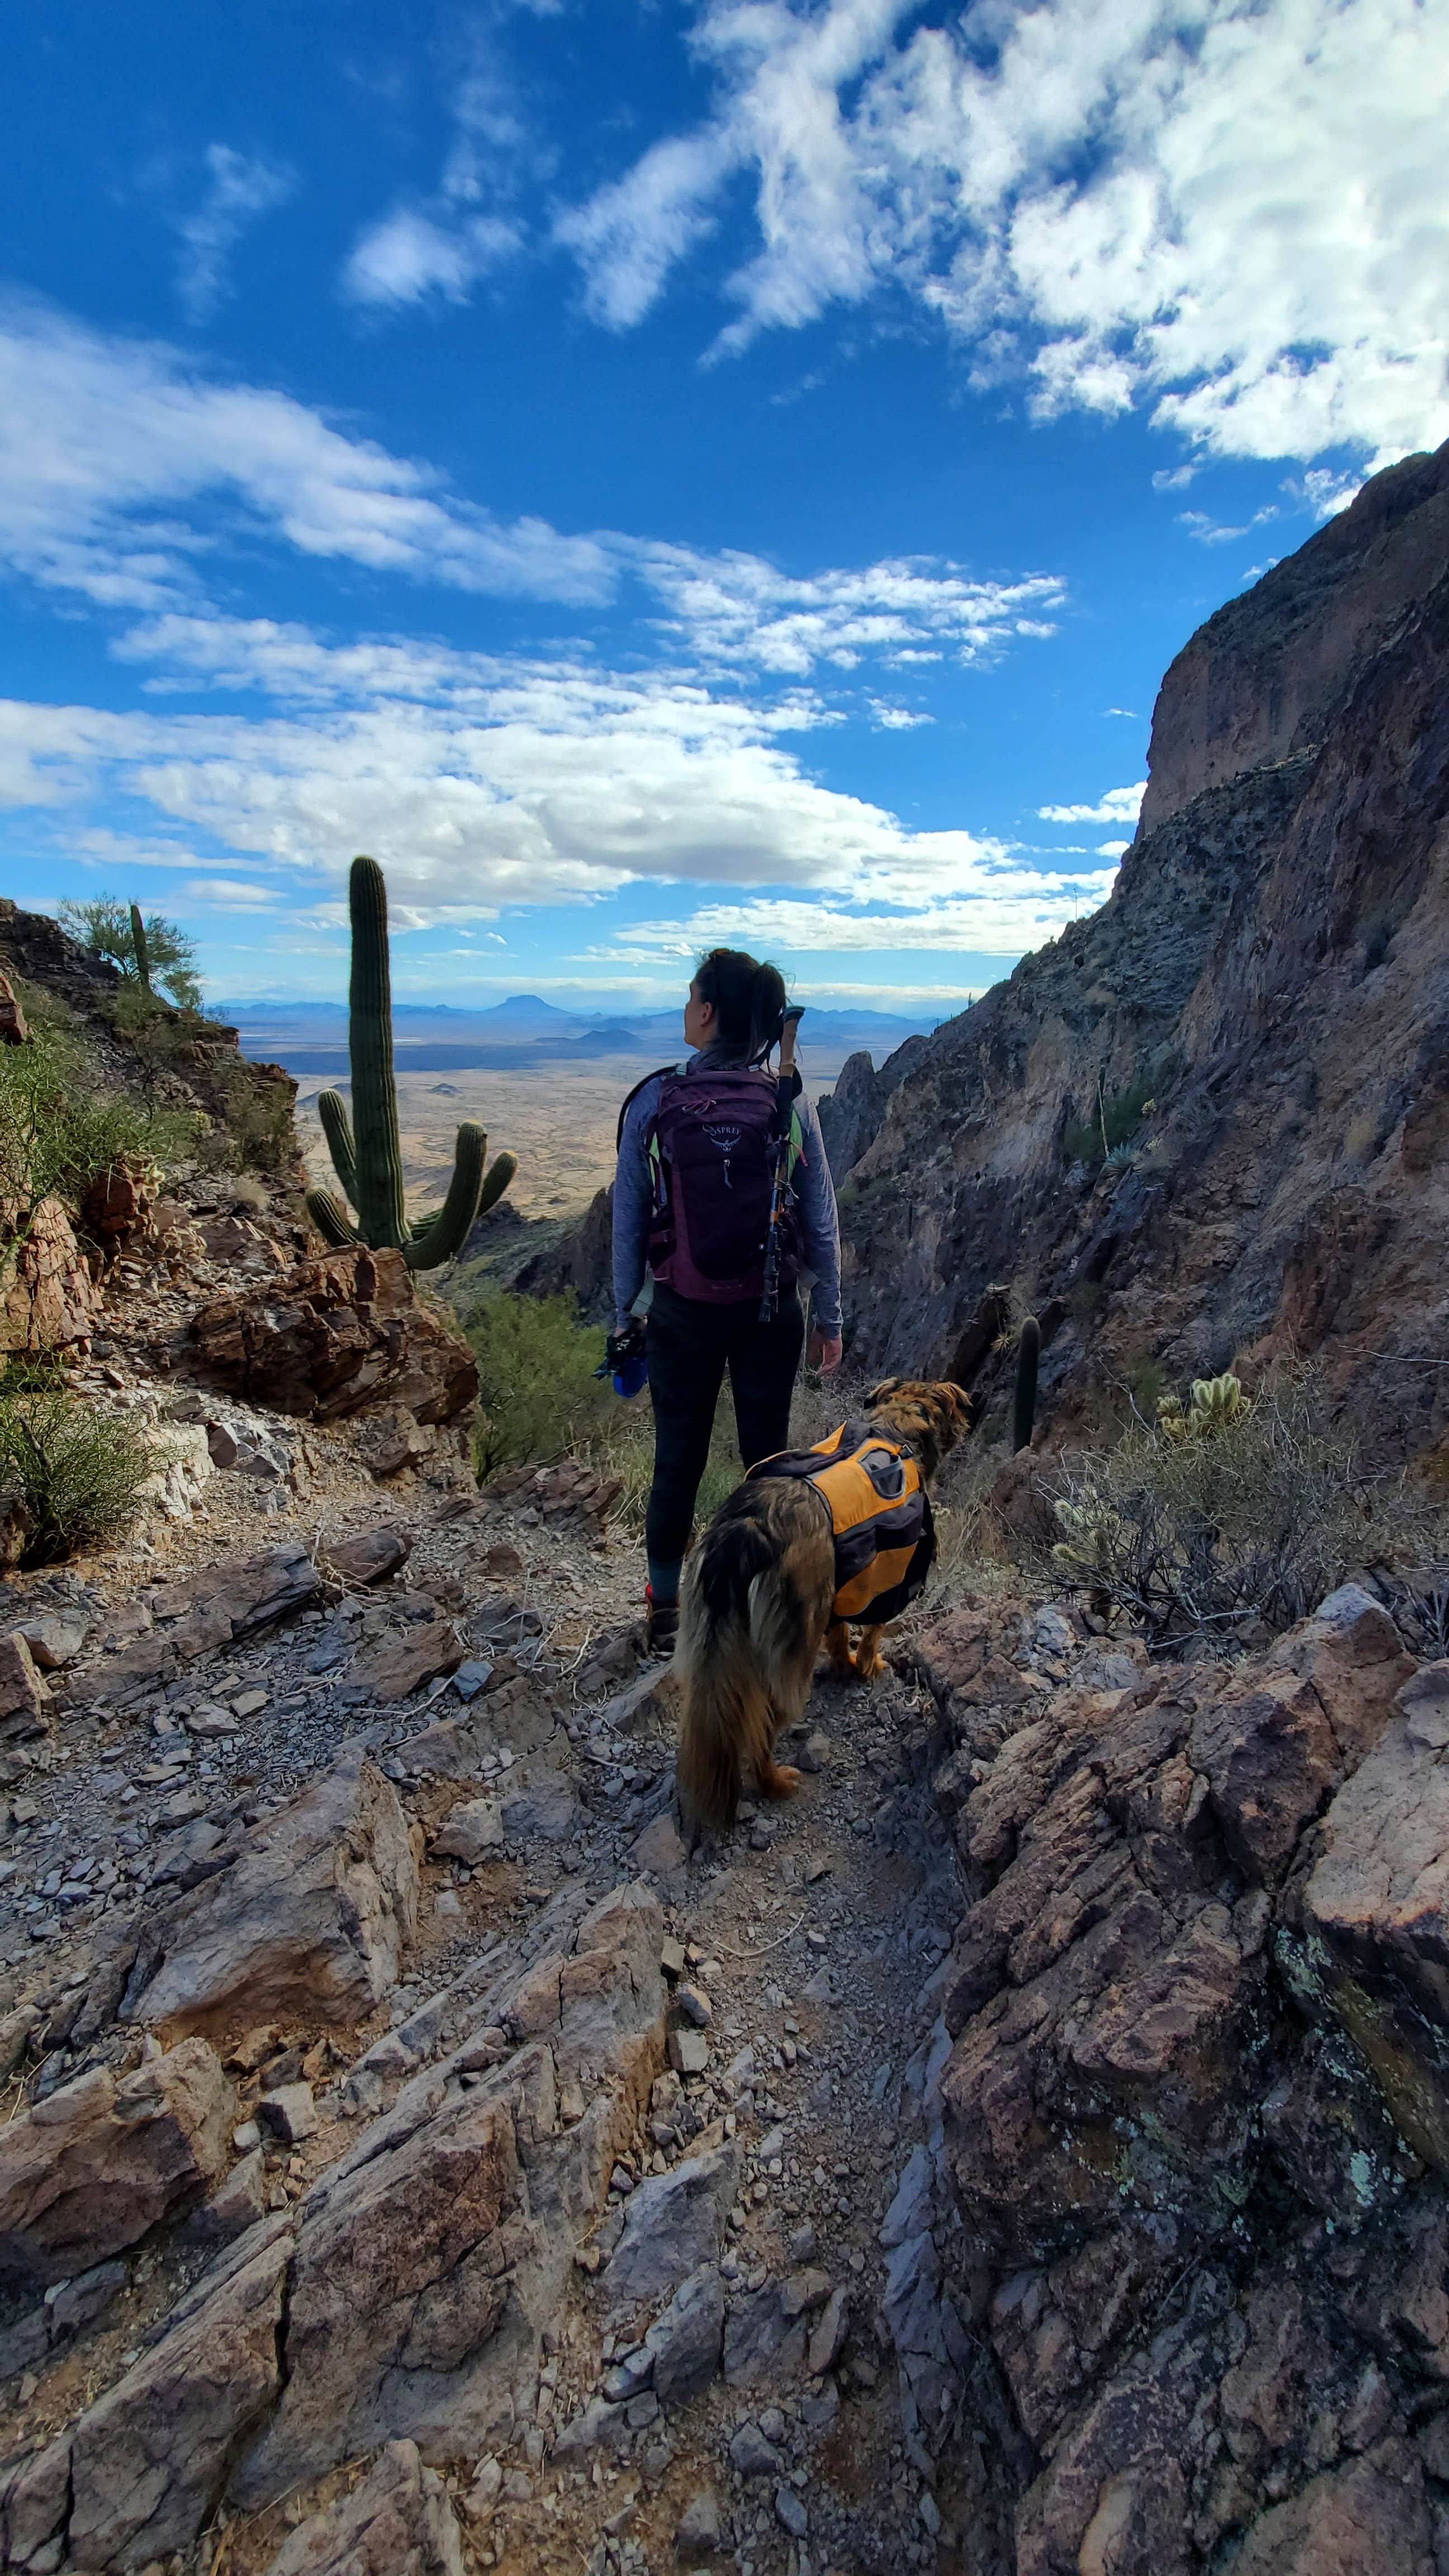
1194 2110
1263 1001
335 1337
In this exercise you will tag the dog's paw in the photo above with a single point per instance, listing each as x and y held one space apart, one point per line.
779 1780
869 1668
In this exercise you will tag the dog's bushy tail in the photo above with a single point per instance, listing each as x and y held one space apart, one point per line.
728 1718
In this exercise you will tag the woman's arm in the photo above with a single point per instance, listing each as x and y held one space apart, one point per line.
632 1203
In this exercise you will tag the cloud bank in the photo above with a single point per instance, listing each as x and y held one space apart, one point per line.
1234 213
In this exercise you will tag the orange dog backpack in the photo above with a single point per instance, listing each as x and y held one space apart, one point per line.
880 1513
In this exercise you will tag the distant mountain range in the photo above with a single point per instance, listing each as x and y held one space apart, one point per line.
433 1037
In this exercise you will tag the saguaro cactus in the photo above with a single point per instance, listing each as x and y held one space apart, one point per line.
1028 1359
369 1164
138 942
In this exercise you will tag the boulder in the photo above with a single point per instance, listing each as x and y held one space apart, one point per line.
55 1637
394 1438
116 1209
48 1300
672 2227
92 2167
548 1812
404 2274
659 1848
26 1712
333 1338
393 1667
685 2340
398 2522
309 1924
1354 1657
368 1557
472 1831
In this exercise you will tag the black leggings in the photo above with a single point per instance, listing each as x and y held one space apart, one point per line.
689 1346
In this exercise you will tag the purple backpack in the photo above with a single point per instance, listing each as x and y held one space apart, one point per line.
711 1160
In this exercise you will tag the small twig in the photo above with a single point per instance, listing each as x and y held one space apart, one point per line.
731 1953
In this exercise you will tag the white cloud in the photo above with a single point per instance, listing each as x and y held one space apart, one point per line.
449 243
109 448
738 608
240 192
629 236
995 907
409 255
1235 211
483 785
1117 805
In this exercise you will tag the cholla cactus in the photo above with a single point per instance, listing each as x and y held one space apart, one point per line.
1216 1401
1093 1532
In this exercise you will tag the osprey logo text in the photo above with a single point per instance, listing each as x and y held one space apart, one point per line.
726 1139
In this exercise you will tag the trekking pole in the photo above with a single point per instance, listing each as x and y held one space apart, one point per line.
787 1092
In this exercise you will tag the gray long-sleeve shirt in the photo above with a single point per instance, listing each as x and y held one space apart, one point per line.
814 1194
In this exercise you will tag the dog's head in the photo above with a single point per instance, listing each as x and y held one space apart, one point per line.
930 1414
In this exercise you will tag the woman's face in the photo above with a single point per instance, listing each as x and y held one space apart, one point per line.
699 1020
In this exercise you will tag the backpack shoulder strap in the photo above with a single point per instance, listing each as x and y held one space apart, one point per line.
657 1075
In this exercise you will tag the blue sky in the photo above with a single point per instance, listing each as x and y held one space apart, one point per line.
655 474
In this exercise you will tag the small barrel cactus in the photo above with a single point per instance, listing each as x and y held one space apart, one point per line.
369 1163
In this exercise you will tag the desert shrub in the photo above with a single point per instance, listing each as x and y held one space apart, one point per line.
1227 1509
104 928
254 1132
80 1473
56 1135
539 1400
1107 1134
538 1395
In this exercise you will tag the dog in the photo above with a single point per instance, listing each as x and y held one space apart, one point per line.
759 1598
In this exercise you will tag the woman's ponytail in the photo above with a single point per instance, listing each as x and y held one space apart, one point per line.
748 997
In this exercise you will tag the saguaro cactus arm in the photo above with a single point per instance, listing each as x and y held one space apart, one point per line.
331 1220
1028 1360
378 1151
438 1237
337 1128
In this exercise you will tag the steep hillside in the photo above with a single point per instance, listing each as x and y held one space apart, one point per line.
1256 1019
144 1047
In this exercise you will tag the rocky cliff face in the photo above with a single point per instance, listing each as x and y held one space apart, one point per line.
1266 986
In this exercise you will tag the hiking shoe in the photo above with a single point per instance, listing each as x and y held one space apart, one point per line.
661 1625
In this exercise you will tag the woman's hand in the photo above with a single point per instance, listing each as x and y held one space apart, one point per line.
824 1350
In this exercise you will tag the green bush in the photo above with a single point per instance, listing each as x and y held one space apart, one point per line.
540 1400
1114 1121
79 1472
105 928
56 1135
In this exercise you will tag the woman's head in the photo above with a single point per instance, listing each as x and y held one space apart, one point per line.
735 1001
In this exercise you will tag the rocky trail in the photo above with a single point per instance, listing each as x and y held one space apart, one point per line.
311 1834
1021 2151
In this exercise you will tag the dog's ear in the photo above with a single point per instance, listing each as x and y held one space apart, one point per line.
882 1394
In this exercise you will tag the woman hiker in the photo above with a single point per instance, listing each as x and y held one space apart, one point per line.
692 1199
